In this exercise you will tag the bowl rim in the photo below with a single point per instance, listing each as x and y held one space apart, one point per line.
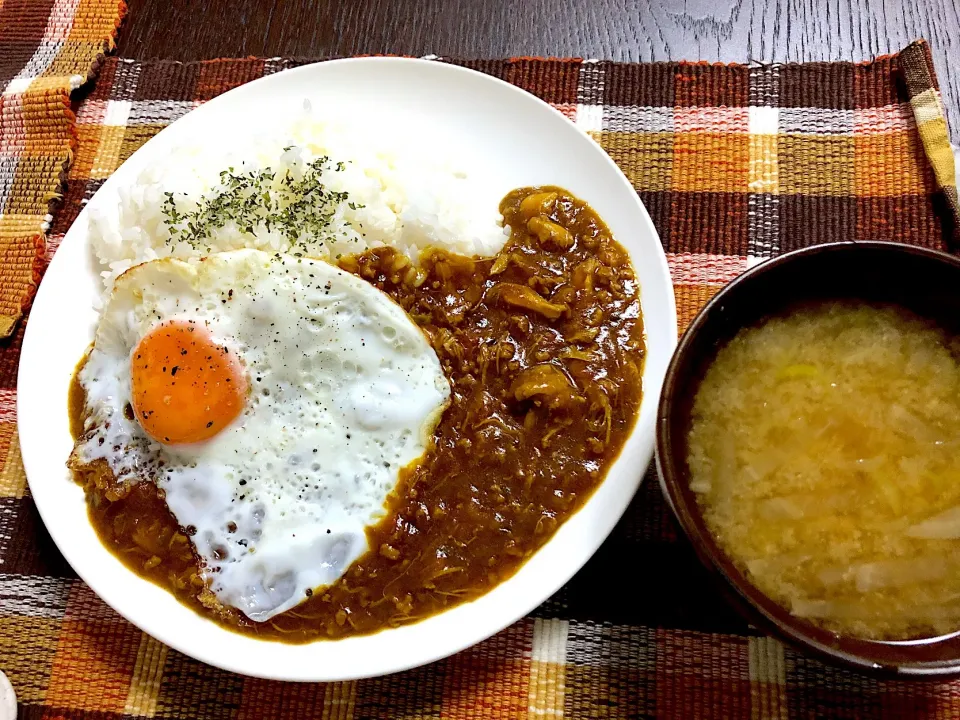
752 604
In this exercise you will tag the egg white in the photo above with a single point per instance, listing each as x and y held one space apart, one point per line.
344 391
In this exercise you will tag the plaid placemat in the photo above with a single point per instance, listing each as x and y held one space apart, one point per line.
48 48
735 164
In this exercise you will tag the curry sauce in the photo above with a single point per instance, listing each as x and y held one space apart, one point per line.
543 348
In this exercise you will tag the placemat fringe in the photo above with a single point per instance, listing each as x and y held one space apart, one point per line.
47 50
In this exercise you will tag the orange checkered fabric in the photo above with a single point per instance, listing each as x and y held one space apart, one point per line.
48 48
735 164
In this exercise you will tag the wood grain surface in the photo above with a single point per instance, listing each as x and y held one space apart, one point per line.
631 30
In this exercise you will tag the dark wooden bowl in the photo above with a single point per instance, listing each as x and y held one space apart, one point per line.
924 281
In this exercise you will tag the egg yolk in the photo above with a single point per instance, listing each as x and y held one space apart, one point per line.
186 387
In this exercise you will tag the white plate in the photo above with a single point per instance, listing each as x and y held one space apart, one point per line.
527 143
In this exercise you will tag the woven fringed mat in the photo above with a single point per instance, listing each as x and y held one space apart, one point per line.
47 49
735 164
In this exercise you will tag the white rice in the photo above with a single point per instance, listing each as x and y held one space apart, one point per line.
404 190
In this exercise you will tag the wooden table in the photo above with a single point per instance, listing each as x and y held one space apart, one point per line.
631 30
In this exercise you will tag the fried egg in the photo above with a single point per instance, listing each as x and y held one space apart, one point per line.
274 401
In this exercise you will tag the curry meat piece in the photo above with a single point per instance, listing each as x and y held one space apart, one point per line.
543 348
